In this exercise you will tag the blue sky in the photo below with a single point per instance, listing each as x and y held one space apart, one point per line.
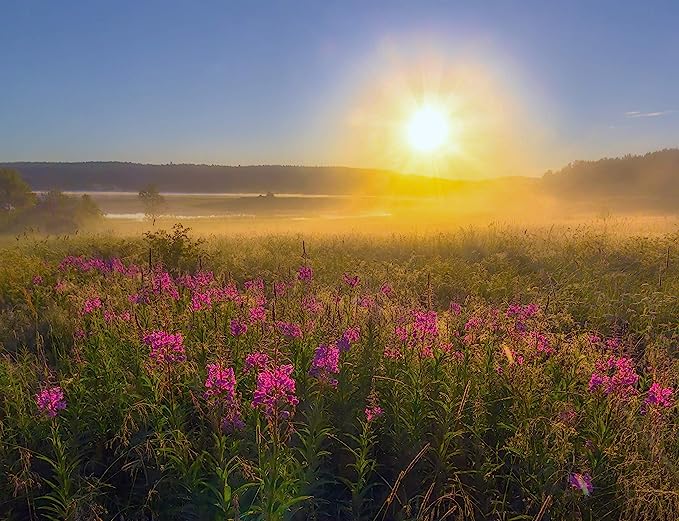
257 82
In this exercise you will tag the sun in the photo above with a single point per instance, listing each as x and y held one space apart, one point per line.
428 128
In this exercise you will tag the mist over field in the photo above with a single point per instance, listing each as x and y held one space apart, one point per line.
633 185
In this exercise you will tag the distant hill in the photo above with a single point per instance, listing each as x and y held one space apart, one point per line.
638 181
118 176
644 182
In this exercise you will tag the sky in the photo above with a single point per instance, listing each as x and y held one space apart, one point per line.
536 84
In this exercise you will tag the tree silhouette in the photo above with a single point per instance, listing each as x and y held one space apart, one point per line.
15 194
152 200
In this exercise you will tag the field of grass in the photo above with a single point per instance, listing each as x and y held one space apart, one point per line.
489 373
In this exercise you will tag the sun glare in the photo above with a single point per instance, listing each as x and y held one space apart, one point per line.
428 128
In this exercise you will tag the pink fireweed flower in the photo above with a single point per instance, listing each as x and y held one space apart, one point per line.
372 409
425 324
220 391
521 314
125 316
200 280
50 401
228 293
351 280
366 301
275 393
581 482
401 333
593 338
165 348
386 290
659 395
220 382
37 280
162 284
615 376
353 334
254 286
289 329
372 412
527 311
109 316
325 364
136 298
613 343
238 327
305 273
455 308
541 343
257 360
201 300
312 305
90 305
257 314
473 323
280 289
350 336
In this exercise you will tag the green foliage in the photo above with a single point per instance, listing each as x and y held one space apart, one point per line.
15 194
467 432
175 251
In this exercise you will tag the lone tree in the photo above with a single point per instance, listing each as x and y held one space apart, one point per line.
152 201
15 194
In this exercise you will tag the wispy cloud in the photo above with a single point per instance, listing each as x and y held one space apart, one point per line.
639 114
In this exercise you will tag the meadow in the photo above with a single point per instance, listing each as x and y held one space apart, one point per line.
492 372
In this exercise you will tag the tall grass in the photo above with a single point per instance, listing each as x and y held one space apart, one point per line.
430 411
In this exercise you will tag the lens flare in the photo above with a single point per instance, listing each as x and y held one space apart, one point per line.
428 128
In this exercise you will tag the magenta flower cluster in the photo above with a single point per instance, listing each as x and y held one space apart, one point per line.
312 305
373 410
615 376
165 348
386 290
541 343
198 281
521 313
238 327
351 280
220 390
659 395
325 364
425 324
85 264
163 284
91 305
289 329
305 273
50 401
275 392
257 314
255 286
257 361
581 482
